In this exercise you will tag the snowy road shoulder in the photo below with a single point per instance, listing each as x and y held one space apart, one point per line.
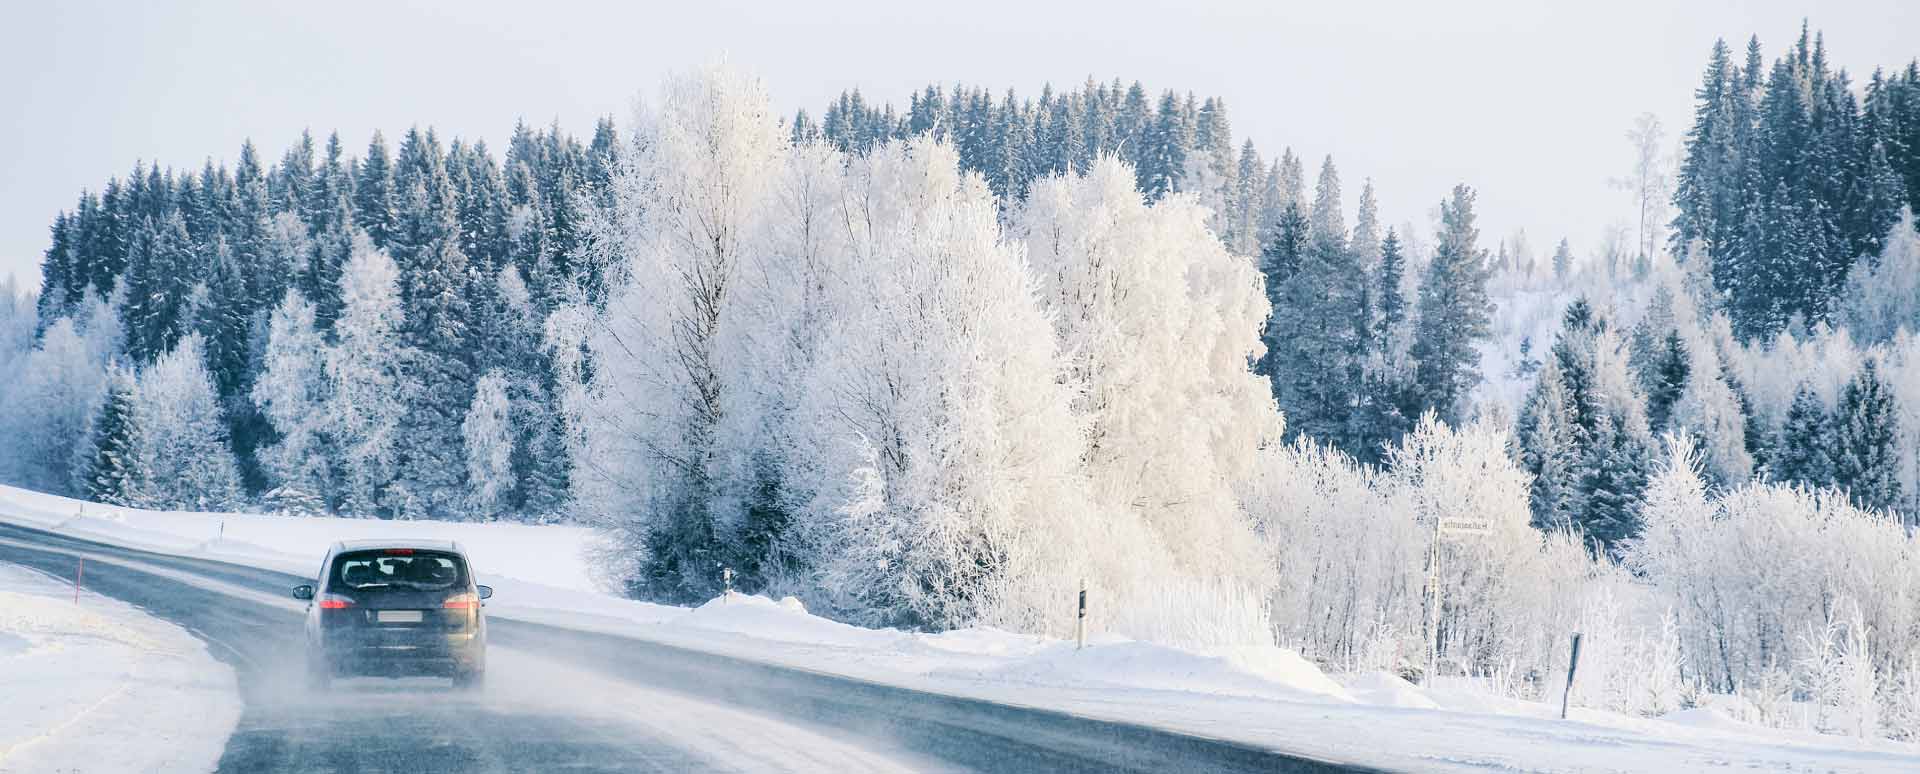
77 676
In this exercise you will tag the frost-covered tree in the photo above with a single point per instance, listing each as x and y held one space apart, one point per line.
1588 379
1665 378
951 449
363 378
1149 312
115 473
437 386
182 443
489 437
47 407
1562 260
1352 545
1801 455
1548 439
293 393
687 196
1883 296
1710 411
1750 571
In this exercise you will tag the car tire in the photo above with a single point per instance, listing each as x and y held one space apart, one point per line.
470 680
319 677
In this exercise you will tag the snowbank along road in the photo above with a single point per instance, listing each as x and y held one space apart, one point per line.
559 699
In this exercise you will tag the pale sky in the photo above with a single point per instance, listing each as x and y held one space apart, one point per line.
1525 102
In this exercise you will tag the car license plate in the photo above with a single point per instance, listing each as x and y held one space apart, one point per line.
397 616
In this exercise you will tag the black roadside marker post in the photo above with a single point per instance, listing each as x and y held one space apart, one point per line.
1080 622
1572 664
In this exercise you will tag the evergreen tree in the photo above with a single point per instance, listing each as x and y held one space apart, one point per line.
373 195
1366 231
487 431
1549 449
114 474
1665 380
57 272
439 389
292 394
1319 332
1562 260
183 442
1163 153
1866 456
1454 313
1248 201
1801 455
223 322
1279 260
364 379
162 272
1387 287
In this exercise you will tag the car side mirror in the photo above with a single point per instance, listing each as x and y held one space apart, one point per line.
486 592
303 591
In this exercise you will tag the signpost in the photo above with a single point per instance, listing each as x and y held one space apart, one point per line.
1443 528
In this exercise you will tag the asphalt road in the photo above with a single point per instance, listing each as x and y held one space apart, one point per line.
560 700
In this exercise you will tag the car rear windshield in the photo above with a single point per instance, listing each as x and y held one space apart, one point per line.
398 569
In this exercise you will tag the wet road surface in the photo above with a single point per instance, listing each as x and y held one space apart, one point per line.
561 700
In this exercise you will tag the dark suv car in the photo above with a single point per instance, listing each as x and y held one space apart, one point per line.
395 609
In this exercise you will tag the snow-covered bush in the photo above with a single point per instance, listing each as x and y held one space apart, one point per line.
1352 548
1765 577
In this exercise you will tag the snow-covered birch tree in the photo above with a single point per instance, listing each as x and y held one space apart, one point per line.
686 196
363 377
293 393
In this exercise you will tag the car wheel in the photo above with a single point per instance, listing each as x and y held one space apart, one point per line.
470 680
319 677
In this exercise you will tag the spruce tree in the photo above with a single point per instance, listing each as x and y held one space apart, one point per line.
1562 259
1866 455
1279 260
1801 456
1454 311
114 474
1387 287
1547 439
1666 380
374 199
162 271
1319 332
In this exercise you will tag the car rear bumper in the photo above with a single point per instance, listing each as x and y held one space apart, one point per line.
386 654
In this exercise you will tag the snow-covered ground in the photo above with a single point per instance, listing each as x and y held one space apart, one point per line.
75 678
1267 696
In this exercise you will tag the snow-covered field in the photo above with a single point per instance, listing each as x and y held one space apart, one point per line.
76 676
1263 695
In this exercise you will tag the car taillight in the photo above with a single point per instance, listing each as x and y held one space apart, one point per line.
335 602
463 601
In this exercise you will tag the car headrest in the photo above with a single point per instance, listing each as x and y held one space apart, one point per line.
428 570
358 574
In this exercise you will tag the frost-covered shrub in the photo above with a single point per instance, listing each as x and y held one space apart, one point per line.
1352 546
1766 578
